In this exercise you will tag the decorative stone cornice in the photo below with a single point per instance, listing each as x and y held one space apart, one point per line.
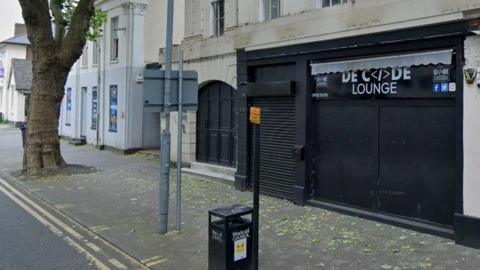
137 8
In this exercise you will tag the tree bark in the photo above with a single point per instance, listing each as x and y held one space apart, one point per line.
43 145
53 58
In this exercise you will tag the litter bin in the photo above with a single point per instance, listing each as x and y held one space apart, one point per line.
230 238
23 130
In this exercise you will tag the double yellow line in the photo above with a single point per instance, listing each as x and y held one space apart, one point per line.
55 225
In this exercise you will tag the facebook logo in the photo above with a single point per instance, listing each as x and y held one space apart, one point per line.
437 87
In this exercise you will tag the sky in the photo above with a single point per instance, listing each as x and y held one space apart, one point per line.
10 13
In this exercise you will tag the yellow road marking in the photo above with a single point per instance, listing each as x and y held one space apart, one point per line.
94 247
64 206
150 259
100 228
42 211
117 264
150 264
50 226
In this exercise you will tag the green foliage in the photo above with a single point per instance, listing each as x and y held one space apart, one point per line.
63 10
96 22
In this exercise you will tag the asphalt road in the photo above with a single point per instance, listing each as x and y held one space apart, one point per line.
27 244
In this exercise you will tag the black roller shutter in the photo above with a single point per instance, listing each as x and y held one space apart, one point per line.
277 138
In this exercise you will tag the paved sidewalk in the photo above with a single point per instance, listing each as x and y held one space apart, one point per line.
116 196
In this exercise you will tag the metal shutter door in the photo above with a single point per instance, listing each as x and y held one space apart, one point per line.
277 138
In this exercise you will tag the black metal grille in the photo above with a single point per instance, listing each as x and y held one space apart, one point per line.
277 138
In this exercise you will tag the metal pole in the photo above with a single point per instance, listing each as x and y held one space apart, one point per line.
179 140
165 134
256 193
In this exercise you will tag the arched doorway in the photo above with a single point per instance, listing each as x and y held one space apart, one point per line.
216 125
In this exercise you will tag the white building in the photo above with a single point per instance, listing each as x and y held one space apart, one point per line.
103 102
401 144
13 99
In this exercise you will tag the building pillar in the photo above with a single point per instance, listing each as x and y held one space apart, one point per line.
467 224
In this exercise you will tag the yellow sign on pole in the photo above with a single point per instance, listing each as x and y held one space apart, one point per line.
255 113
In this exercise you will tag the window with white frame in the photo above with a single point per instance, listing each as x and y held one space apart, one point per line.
114 41
218 17
271 9
85 55
329 3
95 53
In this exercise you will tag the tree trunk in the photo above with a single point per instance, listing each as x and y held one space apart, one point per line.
43 145
52 60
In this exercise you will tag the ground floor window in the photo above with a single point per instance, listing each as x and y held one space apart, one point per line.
27 104
94 107
69 107
329 3
113 108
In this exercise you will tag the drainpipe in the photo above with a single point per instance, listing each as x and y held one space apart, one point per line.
99 80
104 86
128 67
77 108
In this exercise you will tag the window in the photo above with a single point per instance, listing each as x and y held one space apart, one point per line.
85 56
94 108
114 39
328 3
27 104
95 53
271 9
69 107
113 108
218 20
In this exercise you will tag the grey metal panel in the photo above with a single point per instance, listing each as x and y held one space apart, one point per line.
154 84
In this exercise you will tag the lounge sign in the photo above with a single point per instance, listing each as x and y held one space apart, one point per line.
406 82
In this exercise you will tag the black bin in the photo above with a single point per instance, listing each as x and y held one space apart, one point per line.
23 129
230 238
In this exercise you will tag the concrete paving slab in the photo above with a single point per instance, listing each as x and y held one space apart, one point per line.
119 201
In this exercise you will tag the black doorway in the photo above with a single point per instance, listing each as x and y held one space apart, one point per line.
387 156
216 137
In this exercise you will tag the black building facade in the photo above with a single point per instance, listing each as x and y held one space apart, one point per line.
368 125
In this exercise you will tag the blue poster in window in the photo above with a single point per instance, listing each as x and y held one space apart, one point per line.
69 99
113 108
69 107
94 107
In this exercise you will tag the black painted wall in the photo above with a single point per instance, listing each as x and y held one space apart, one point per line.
273 61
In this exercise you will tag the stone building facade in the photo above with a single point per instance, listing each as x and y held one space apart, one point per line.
287 57
103 103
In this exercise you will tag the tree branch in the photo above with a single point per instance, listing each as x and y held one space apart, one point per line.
56 6
75 39
38 21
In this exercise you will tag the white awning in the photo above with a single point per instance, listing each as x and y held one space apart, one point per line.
443 57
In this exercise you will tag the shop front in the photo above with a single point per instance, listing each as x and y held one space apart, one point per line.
384 134
369 125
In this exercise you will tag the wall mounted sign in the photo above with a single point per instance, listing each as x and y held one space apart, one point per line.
470 74
255 115
2 72
387 83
